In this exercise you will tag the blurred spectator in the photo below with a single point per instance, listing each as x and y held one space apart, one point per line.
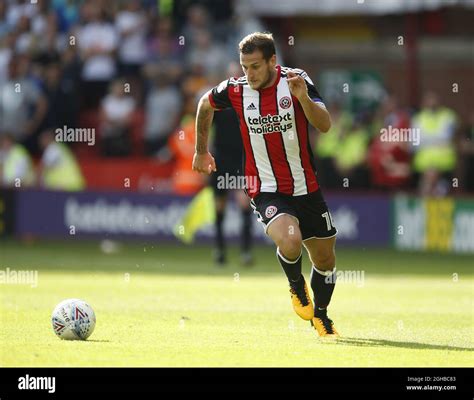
163 109
25 38
389 160
185 181
391 114
351 157
389 164
19 9
195 81
116 119
4 25
197 20
207 53
181 144
41 18
70 83
58 169
242 24
97 41
435 157
51 41
327 145
23 106
67 12
131 26
467 154
6 46
16 166
60 94
164 50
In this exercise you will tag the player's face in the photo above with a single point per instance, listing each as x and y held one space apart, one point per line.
259 72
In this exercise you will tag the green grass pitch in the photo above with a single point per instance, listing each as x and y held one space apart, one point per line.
164 305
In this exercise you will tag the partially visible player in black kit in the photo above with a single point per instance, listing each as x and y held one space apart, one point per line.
228 150
275 105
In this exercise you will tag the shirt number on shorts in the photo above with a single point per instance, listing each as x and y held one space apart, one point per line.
328 219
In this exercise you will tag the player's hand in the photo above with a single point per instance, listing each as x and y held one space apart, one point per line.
204 163
297 85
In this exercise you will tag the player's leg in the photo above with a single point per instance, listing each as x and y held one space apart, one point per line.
322 255
246 234
285 233
323 281
319 239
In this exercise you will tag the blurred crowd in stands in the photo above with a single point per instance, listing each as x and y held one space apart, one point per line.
133 71
390 148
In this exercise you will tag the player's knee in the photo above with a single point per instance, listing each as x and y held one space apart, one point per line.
324 261
290 245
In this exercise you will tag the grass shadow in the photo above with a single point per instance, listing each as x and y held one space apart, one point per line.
390 343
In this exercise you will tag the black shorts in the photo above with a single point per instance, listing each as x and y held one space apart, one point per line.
310 210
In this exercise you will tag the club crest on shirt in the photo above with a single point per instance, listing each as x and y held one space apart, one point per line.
270 211
285 102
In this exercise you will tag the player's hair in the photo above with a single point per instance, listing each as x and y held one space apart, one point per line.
262 41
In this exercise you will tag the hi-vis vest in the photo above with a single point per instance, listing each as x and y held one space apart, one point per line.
353 148
18 154
438 157
66 175
328 143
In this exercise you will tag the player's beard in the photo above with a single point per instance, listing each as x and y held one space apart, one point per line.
269 78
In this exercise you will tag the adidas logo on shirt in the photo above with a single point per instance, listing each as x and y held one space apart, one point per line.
251 107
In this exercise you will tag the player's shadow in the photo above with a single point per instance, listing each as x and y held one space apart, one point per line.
391 343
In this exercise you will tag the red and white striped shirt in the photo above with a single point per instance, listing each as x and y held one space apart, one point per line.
274 129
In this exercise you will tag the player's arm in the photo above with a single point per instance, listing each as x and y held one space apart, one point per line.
316 114
215 99
203 161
